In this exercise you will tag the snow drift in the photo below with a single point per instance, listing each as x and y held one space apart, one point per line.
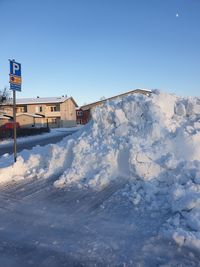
154 142
136 135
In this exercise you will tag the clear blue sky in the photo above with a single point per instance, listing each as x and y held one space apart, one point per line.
94 48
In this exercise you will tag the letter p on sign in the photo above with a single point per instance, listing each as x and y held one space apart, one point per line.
15 68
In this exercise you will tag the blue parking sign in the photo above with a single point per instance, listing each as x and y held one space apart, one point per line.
15 76
15 68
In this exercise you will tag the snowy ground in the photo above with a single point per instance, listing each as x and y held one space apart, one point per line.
122 191
41 226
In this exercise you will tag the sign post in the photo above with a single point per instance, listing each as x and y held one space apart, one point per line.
15 85
14 126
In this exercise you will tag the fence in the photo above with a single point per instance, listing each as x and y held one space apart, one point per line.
21 132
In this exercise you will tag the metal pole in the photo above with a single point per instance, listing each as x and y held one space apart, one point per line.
14 128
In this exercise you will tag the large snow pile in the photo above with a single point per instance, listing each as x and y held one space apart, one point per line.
136 135
154 142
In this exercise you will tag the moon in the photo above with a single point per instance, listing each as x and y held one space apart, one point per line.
177 15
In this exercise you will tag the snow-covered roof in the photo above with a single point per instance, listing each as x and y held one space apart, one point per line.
30 114
41 100
4 116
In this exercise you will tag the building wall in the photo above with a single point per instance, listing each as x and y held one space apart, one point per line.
52 105
25 120
8 110
68 123
54 122
52 118
41 122
29 121
33 109
68 113
82 116
47 110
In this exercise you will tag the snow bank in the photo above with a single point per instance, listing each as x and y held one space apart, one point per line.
136 136
40 162
152 141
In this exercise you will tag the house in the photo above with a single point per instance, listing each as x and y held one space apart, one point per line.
52 111
83 114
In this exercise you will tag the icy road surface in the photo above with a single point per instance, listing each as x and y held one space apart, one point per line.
43 226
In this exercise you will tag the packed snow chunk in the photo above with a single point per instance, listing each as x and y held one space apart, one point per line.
144 166
122 130
120 117
87 170
20 169
193 106
180 109
187 145
197 125
60 158
197 178
193 219
183 238
179 239
189 201
165 102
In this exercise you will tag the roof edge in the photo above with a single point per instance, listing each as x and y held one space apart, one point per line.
143 91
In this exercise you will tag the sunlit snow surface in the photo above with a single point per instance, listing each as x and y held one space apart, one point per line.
152 143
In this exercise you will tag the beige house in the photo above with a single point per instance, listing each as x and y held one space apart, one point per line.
52 111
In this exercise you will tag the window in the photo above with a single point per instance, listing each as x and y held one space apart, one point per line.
38 109
22 109
53 108
80 113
